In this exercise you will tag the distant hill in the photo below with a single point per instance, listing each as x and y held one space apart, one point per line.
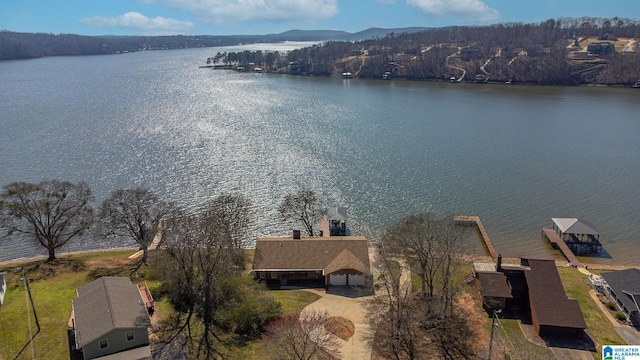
15 45
567 51
322 35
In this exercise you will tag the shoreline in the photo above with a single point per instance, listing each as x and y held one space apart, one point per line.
65 254
559 263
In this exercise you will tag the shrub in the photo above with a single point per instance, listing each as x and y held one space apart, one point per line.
621 316
611 305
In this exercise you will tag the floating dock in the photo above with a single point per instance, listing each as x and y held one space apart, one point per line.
475 220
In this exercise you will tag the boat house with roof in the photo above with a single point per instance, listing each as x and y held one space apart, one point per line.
577 234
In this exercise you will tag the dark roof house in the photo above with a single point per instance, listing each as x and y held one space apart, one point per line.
534 284
340 260
552 312
624 288
111 319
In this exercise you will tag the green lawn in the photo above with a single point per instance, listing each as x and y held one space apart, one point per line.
53 287
577 286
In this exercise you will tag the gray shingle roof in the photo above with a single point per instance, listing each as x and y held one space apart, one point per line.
626 285
105 304
310 254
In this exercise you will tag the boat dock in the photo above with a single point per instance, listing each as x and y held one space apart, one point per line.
154 245
557 242
475 220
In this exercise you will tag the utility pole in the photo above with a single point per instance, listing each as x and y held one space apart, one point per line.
493 326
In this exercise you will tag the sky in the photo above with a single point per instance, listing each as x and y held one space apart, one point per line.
248 17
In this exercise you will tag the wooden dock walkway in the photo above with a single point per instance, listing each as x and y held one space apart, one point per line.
557 242
483 233
154 245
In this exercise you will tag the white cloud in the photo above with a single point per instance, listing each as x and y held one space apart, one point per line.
141 24
229 12
474 10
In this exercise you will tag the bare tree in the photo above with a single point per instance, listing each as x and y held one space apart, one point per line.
230 215
134 213
411 325
305 207
201 278
433 247
301 337
392 311
52 212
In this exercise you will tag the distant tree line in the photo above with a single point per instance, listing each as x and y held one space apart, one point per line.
15 45
542 53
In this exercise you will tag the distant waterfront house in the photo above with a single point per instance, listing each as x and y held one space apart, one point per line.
623 287
111 320
601 48
314 261
532 285
3 286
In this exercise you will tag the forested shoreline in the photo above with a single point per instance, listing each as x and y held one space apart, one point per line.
555 52
565 51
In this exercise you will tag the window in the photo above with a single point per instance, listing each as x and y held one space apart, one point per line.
130 336
274 275
263 274
104 344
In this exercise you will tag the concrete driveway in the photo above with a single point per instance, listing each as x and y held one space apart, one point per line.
347 303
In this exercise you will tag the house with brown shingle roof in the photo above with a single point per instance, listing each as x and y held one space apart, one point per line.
312 261
552 312
110 320
534 285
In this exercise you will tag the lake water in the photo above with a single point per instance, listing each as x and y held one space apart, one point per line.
513 155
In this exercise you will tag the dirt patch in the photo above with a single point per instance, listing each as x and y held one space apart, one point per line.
340 327
475 315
